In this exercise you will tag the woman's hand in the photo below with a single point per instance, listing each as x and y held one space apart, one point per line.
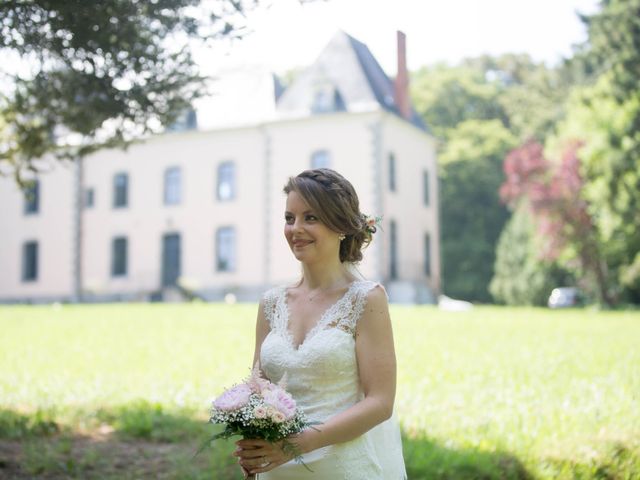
259 456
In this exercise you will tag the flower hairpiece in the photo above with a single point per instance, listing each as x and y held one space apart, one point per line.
372 223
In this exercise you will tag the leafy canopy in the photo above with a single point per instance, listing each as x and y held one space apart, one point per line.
472 213
96 74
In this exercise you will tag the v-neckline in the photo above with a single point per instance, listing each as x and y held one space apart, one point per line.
307 336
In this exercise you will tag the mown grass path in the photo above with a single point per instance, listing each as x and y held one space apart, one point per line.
491 393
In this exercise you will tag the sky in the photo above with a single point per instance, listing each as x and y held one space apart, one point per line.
286 35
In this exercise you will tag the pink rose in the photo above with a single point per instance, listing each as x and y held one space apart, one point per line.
278 417
260 412
281 401
234 398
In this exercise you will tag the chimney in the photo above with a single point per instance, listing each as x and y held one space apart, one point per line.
402 79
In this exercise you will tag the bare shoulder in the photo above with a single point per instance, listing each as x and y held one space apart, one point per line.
374 332
376 298
376 309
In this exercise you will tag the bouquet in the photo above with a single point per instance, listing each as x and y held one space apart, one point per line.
257 408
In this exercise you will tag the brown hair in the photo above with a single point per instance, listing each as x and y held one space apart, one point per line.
334 200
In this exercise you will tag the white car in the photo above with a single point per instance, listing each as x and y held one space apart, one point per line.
564 297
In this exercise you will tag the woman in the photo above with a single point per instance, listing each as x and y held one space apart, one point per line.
331 334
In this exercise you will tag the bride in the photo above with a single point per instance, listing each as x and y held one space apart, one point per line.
331 334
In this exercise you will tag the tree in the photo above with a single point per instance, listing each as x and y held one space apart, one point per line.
446 96
480 109
462 106
472 215
614 45
606 116
531 94
611 177
521 276
553 193
100 73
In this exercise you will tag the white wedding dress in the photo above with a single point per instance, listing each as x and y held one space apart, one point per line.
322 376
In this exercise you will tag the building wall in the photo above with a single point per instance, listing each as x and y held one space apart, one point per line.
264 157
51 227
414 153
196 218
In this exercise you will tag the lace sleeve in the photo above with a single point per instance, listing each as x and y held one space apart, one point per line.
357 301
270 302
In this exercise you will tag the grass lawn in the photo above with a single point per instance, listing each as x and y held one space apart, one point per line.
122 391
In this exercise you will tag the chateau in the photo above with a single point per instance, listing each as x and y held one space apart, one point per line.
199 209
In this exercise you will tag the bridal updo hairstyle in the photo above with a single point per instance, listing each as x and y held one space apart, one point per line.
335 202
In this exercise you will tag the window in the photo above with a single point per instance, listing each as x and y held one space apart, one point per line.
226 186
427 254
89 198
320 159
393 251
321 101
32 197
226 249
120 190
30 261
327 98
425 187
186 120
119 257
392 172
172 186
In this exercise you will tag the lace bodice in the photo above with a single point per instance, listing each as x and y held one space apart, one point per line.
322 372
322 376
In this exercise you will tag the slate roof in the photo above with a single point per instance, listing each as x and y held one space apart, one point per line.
347 66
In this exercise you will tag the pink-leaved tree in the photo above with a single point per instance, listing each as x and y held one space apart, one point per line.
552 192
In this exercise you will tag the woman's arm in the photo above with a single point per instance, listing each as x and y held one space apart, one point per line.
377 370
262 330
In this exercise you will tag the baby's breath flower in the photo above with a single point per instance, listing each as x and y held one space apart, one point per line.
258 408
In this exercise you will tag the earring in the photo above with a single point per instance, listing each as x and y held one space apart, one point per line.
342 236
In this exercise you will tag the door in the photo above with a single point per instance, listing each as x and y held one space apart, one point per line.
170 259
